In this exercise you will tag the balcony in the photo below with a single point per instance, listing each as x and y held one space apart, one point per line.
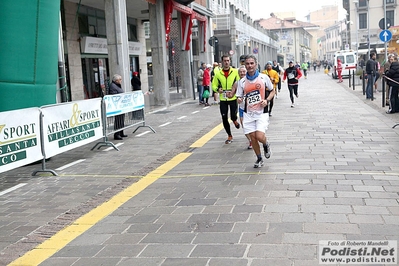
389 3
363 4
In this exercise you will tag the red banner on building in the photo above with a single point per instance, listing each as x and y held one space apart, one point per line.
186 27
187 16
168 8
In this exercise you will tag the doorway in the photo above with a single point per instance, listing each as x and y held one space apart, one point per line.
95 77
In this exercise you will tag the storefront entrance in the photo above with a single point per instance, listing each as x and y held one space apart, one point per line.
95 77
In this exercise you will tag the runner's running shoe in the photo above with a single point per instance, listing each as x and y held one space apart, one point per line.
268 152
229 140
258 163
236 124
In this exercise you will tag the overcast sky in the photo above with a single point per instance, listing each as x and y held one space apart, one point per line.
263 8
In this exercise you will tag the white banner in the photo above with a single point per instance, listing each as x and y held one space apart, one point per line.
71 125
123 103
92 45
19 138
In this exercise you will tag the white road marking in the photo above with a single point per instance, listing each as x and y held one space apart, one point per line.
182 117
142 134
12 189
195 112
70 164
165 124
112 148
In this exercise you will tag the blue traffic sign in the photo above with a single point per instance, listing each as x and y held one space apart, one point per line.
385 35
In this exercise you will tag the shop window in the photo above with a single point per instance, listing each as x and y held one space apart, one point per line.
391 16
195 47
363 21
132 33
83 25
92 22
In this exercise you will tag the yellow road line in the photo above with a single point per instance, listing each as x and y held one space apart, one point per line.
204 139
290 172
82 224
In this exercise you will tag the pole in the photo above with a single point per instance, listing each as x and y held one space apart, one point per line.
386 53
357 30
368 26
369 58
346 33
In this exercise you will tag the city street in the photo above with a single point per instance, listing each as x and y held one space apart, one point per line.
181 196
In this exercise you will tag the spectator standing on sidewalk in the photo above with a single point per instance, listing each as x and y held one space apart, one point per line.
215 94
223 84
386 69
256 91
119 122
339 70
293 74
371 70
206 82
135 81
377 76
393 82
200 86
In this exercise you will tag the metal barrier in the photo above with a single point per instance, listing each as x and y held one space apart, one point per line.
33 134
20 141
120 112
66 126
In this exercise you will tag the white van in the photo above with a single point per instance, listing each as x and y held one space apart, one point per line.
349 63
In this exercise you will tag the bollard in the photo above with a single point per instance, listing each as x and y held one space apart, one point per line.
363 84
177 84
353 79
383 90
350 79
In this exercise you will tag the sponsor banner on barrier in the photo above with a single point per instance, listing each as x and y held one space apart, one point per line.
123 103
19 138
362 252
71 125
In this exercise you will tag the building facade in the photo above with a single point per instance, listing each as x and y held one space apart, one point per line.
294 39
238 34
365 30
325 18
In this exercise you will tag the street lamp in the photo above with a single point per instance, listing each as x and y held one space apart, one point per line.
368 26
347 37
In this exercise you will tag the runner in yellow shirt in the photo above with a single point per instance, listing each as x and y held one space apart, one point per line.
274 78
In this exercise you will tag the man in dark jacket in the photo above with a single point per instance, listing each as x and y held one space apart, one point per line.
116 88
393 82
371 70
136 83
387 65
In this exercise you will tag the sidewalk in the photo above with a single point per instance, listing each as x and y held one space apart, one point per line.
333 175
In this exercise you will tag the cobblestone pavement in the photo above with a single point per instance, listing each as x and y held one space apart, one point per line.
333 175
